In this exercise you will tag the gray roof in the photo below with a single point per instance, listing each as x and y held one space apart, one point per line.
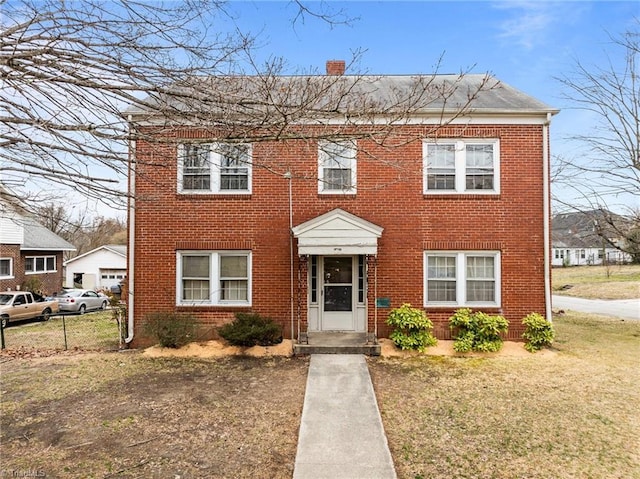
118 248
37 237
326 95
587 229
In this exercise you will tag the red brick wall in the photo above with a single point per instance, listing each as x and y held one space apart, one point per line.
389 195
12 251
51 282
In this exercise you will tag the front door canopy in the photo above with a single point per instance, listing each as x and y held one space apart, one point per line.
337 233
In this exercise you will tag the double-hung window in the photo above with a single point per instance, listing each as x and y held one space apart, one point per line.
196 168
215 168
234 277
461 166
214 277
467 278
40 264
232 162
6 267
337 167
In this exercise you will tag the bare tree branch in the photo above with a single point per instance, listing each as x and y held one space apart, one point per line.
609 171
68 71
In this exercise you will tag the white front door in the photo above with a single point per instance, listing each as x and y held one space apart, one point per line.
339 291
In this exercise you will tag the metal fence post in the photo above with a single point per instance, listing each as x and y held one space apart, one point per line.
2 345
64 329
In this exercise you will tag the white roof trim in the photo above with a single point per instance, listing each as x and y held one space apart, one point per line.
105 247
337 233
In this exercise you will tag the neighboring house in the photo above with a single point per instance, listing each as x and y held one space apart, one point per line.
576 241
583 252
30 254
100 268
330 234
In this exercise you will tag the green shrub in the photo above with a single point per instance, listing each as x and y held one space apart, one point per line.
412 328
538 332
250 329
477 331
171 329
33 284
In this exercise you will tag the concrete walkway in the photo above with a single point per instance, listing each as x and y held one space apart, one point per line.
341 434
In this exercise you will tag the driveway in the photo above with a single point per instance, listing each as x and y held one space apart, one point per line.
622 308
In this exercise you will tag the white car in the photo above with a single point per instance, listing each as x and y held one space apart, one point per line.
81 301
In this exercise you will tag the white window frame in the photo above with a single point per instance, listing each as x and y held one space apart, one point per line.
215 171
460 165
325 160
461 278
10 275
214 278
35 269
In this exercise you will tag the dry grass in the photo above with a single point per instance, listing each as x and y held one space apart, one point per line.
123 415
92 331
598 282
569 415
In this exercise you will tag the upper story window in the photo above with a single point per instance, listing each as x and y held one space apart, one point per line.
337 167
40 264
214 168
457 166
462 278
6 267
214 277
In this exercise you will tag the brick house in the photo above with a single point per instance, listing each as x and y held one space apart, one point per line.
445 205
30 254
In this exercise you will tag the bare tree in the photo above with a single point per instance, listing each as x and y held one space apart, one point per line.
68 71
608 171
79 228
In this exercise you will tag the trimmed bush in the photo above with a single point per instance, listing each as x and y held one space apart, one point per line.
171 329
477 331
538 332
412 328
250 329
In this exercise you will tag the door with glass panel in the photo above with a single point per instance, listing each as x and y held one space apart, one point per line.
339 287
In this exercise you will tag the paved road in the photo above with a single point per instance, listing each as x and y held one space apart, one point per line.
624 308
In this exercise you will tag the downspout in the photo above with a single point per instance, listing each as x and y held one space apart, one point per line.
546 218
131 248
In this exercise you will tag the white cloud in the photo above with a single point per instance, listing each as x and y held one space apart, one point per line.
528 23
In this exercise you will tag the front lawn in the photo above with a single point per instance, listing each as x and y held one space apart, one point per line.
91 331
598 282
124 415
573 414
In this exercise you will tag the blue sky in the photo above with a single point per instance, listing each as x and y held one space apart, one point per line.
523 43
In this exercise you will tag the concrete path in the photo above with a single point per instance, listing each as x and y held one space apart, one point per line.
341 434
623 308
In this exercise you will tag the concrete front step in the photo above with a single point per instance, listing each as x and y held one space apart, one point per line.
337 343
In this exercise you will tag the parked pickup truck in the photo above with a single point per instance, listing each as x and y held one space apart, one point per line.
19 305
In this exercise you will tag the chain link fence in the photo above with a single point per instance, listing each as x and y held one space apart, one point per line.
98 331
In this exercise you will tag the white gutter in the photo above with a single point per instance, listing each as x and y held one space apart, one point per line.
546 218
131 248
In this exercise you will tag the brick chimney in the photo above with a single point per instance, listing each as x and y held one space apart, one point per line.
335 67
